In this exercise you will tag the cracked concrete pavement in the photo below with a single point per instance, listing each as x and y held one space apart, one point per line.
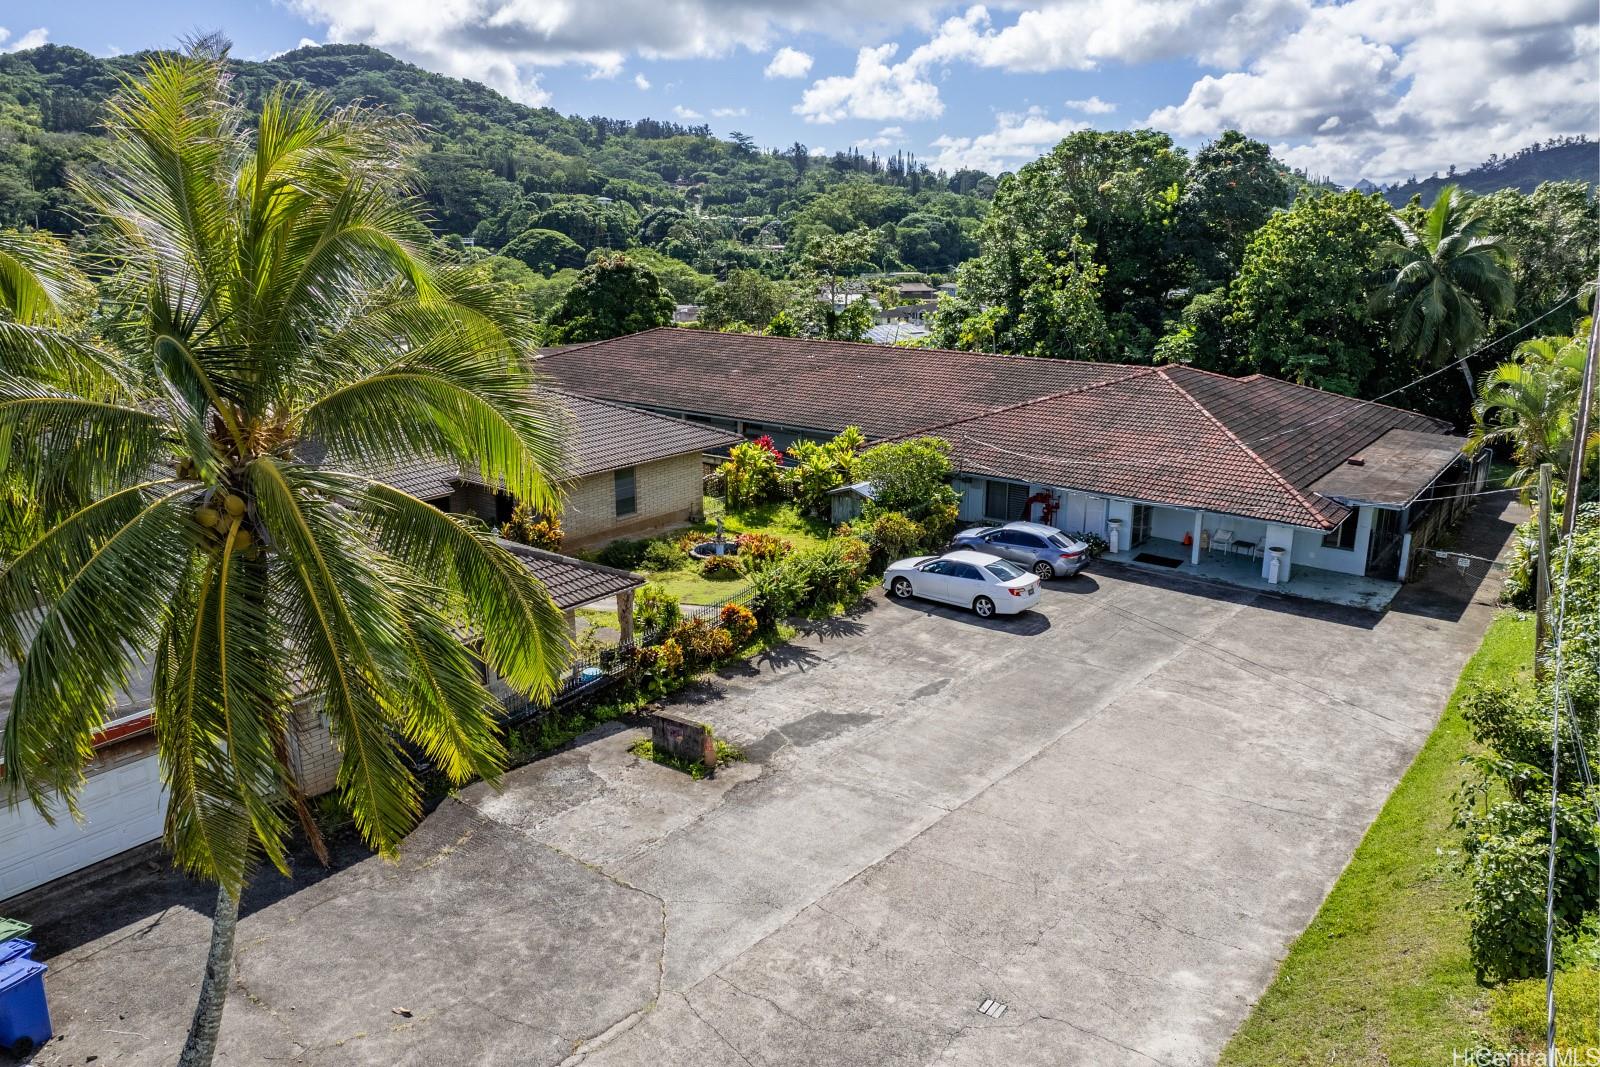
1113 815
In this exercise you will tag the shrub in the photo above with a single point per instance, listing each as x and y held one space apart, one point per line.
939 524
821 467
1517 1013
623 553
690 538
664 556
760 548
894 534
777 592
527 527
1518 588
1506 850
1098 546
721 567
750 475
739 621
668 659
701 641
655 609
911 476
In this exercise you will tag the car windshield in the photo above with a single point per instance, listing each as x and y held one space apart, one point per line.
1059 541
1003 570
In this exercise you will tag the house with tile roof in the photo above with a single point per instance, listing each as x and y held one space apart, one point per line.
625 472
1253 480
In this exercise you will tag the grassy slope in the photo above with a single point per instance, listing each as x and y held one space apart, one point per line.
1382 976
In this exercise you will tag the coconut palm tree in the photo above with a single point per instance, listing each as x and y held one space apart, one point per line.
1529 403
293 336
1449 276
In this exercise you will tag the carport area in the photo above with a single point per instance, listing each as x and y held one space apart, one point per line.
1110 816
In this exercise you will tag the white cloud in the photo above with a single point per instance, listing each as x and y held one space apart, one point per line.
875 90
688 114
1387 88
1015 139
729 112
641 82
789 63
305 42
887 137
1092 106
500 42
34 38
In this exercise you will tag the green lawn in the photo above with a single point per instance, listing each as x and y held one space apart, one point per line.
781 520
1381 977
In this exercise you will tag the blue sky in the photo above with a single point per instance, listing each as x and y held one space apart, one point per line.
1361 88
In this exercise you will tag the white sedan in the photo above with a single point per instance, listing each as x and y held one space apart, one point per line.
987 584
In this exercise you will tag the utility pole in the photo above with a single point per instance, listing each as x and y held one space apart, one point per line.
1541 581
1580 425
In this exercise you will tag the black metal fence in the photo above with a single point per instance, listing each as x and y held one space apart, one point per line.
589 677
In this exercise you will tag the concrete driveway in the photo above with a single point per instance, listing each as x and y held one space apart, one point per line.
1111 816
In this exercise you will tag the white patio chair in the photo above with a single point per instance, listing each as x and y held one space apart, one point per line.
1222 540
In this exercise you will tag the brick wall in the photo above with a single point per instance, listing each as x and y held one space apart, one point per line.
668 493
313 756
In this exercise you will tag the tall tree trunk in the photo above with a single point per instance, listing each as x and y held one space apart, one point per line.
201 1045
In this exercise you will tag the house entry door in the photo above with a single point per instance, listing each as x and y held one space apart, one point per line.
1141 524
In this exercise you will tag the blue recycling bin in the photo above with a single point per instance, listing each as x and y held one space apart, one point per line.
24 1015
16 948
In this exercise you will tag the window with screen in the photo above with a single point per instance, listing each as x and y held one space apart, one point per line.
1004 500
626 494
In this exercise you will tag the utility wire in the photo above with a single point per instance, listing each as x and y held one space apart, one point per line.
1558 695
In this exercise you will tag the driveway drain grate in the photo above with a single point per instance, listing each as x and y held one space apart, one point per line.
992 1008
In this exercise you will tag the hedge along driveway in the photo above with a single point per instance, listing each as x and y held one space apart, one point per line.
1383 976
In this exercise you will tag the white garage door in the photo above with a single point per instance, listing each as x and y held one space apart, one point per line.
122 807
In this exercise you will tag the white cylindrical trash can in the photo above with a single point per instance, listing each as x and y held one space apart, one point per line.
1114 535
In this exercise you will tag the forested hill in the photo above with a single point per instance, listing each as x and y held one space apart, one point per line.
493 166
1570 159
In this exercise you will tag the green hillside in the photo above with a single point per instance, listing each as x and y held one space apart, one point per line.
1570 159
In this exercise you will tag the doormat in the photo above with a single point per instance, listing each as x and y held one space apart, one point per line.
1159 561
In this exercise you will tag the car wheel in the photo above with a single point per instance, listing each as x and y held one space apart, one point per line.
1044 570
983 606
901 587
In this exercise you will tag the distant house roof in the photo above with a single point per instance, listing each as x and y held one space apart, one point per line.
685 312
572 582
887 333
915 289
1255 447
909 311
817 385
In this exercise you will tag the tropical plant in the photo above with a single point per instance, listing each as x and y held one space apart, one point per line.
1450 276
750 473
1528 404
818 468
293 335
655 608
739 621
528 527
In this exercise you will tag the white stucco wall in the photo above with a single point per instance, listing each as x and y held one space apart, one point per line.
1309 550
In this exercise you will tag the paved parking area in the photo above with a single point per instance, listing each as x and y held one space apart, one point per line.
1111 815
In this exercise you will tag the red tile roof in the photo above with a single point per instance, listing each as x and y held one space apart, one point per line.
809 385
1252 446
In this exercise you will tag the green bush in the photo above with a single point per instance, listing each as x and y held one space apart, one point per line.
527 527
721 567
664 556
623 553
655 608
1517 1013
739 621
1098 546
911 476
894 535
777 592
750 475
820 467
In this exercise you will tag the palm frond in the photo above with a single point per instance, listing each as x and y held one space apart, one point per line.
37 280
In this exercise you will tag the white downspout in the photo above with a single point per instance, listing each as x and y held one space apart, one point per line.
1194 551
